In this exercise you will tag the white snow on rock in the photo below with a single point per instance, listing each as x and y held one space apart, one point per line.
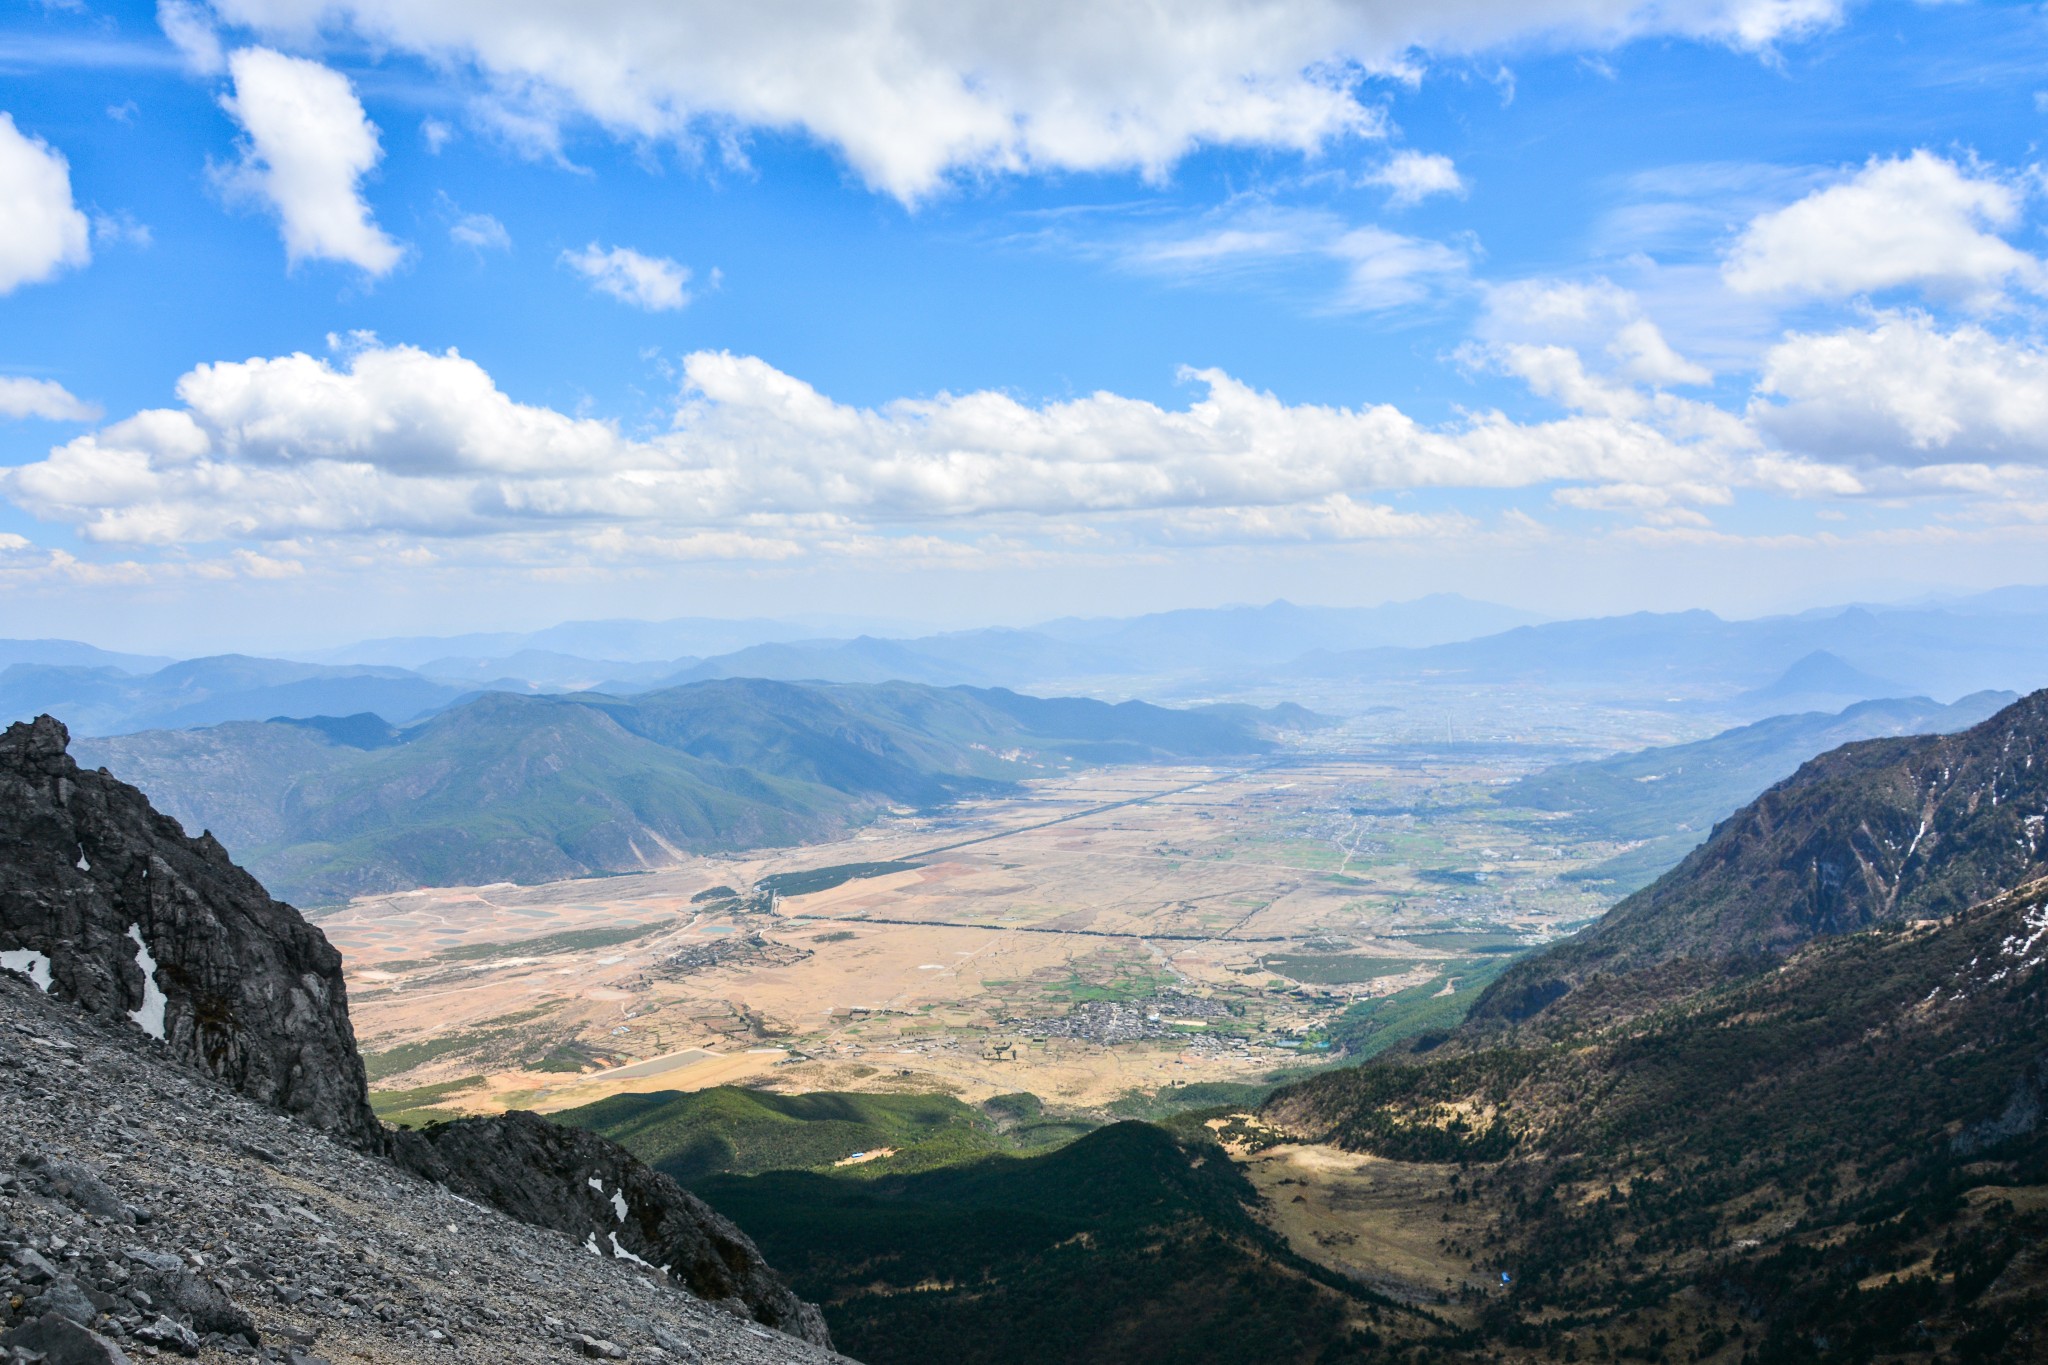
624 1254
619 1204
82 865
149 1016
30 964
590 1245
595 1184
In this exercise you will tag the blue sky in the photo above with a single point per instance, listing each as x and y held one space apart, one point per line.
329 319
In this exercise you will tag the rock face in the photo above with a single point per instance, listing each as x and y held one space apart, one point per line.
106 903
612 1204
1875 832
239 1235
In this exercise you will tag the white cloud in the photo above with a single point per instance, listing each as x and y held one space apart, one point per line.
1377 269
1527 318
122 229
1414 176
41 230
190 28
1918 221
1902 391
654 283
914 91
480 232
309 144
395 440
42 398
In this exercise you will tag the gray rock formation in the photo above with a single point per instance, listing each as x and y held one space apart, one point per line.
234 1225
611 1203
106 903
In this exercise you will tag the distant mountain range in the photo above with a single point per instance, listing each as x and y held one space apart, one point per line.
1669 798
1820 660
510 788
1759 667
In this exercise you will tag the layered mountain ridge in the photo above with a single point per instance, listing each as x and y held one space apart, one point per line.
528 789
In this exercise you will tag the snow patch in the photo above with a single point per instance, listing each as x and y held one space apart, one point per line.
149 1016
619 1204
82 865
626 1255
595 1184
590 1245
30 964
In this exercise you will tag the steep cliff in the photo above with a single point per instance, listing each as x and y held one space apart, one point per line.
106 903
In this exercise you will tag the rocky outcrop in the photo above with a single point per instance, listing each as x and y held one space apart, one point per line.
150 1214
106 903
611 1203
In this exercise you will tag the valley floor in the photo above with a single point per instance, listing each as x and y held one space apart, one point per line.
1117 933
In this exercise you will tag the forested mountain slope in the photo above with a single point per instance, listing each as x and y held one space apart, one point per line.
518 788
1785 1104
1883 831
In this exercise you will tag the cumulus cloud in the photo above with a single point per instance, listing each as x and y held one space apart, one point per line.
308 145
1917 221
1412 177
1902 391
43 398
653 283
393 439
41 230
1527 320
912 91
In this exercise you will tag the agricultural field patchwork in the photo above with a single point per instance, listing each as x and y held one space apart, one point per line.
1098 940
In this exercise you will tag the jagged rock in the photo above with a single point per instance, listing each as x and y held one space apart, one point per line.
82 1188
311 1245
61 1341
67 1300
614 1204
168 1334
107 903
196 1300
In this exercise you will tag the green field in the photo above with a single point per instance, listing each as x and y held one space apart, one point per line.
1334 969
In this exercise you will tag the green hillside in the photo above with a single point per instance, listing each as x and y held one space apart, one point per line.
1122 1246
730 1130
527 789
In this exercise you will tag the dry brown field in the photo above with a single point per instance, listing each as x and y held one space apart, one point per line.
1114 931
